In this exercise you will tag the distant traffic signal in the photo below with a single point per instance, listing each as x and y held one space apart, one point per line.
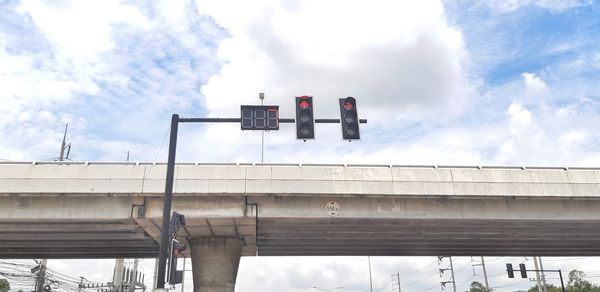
175 276
349 118
305 122
510 271
523 271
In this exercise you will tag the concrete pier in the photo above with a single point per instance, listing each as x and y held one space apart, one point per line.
215 263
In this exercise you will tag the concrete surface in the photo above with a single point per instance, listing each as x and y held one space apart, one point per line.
110 209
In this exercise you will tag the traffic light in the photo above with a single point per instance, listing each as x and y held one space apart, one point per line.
349 118
175 276
510 271
523 271
305 122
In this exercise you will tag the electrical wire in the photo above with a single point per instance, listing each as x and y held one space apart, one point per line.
420 280
466 281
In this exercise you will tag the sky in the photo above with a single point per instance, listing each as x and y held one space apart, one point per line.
511 82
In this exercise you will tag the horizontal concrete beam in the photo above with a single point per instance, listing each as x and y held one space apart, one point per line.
148 179
408 236
428 208
60 207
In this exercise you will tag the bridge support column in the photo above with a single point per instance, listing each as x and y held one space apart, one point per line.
215 263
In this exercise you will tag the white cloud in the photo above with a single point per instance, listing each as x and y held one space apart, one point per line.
552 5
573 138
104 67
402 61
393 56
81 29
405 63
534 85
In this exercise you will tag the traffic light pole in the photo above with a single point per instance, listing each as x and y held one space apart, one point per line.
562 283
164 236
168 198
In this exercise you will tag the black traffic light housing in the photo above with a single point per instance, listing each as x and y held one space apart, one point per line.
510 271
305 122
349 118
523 271
175 276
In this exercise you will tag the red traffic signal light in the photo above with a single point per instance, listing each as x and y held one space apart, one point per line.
304 104
175 276
305 123
349 118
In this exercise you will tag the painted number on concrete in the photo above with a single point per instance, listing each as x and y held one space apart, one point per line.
332 208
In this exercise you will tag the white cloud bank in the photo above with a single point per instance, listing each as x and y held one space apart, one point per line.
552 5
391 55
404 62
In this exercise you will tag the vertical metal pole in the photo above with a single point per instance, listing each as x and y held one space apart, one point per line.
452 270
135 277
487 284
562 284
544 284
370 277
537 274
154 283
398 275
63 145
183 277
118 275
164 241
262 144
41 276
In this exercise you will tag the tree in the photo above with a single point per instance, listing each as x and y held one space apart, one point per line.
551 288
477 287
4 286
576 281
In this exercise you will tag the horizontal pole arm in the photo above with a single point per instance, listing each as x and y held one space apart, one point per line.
210 120
335 121
238 120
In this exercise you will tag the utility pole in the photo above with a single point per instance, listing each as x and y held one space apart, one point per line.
487 284
397 276
544 284
485 277
452 271
537 274
64 146
451 268
135 275
40 280
118 274
370 277
183 278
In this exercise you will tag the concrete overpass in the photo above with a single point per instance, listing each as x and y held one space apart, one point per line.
107 210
